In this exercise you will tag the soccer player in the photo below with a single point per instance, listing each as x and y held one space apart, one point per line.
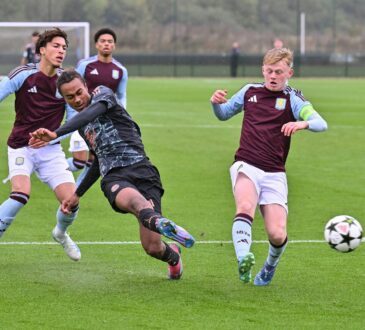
129 181
29 54
273 112
38 104
101 69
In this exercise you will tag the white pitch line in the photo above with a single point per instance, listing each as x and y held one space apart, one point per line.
137 242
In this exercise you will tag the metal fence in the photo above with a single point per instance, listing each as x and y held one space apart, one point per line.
166 65
249 65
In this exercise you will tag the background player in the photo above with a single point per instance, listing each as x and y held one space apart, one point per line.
129 180
101 69
38 104
29 54
273 112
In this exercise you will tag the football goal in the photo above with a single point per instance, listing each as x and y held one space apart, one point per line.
15 35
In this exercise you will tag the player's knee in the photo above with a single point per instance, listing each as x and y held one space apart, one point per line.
278 236
245 207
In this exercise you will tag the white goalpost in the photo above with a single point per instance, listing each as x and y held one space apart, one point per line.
15 35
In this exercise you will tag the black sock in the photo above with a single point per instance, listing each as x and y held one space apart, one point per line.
170 256
148 218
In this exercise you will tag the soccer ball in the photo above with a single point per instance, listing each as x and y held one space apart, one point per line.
343 233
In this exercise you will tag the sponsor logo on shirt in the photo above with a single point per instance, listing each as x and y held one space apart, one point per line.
115 74
33 89
253 99
280 103
94 72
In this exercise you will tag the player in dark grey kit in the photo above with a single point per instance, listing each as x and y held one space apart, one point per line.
38 104
129 181
101 69
273 112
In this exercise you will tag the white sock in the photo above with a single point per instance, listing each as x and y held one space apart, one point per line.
10 208
241 234
275 252
65 220
72 162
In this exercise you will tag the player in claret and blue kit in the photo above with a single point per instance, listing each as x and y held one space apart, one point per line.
38 104
129 181
273 112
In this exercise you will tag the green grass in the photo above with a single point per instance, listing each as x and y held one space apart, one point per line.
119 287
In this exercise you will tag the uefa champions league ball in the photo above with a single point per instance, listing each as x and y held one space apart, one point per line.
343 233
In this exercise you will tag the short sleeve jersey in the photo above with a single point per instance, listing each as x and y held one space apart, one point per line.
37 102
112 75
262 143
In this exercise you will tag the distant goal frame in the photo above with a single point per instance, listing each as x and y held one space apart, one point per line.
84 25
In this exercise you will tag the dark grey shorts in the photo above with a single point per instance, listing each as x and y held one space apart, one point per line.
142 176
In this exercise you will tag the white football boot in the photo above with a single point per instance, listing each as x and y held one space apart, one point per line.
70 247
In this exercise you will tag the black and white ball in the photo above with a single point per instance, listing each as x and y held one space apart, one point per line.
343 233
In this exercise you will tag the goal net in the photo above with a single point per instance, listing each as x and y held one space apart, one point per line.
14 36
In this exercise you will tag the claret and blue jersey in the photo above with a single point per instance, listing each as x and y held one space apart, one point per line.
113 75
262 143
37 102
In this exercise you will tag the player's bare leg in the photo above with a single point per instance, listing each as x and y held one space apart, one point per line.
275 223
130 200
158 249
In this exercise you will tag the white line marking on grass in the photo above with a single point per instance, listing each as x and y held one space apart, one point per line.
137 242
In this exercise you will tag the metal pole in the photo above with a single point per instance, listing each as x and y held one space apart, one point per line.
175 37
49 10
302 34
334 29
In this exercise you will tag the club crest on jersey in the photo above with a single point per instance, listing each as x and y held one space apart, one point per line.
115 74
280 103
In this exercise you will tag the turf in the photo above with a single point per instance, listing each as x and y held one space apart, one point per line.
119 287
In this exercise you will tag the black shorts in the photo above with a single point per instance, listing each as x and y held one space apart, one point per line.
142 176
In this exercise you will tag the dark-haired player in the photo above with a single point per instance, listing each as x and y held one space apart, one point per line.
38 104
101 69
129 181
273 112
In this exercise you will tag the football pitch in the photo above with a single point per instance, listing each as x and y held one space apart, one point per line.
117 286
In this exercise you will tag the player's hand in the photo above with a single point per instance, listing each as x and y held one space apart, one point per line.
41 137
219 96
36 143
68 204
290 128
